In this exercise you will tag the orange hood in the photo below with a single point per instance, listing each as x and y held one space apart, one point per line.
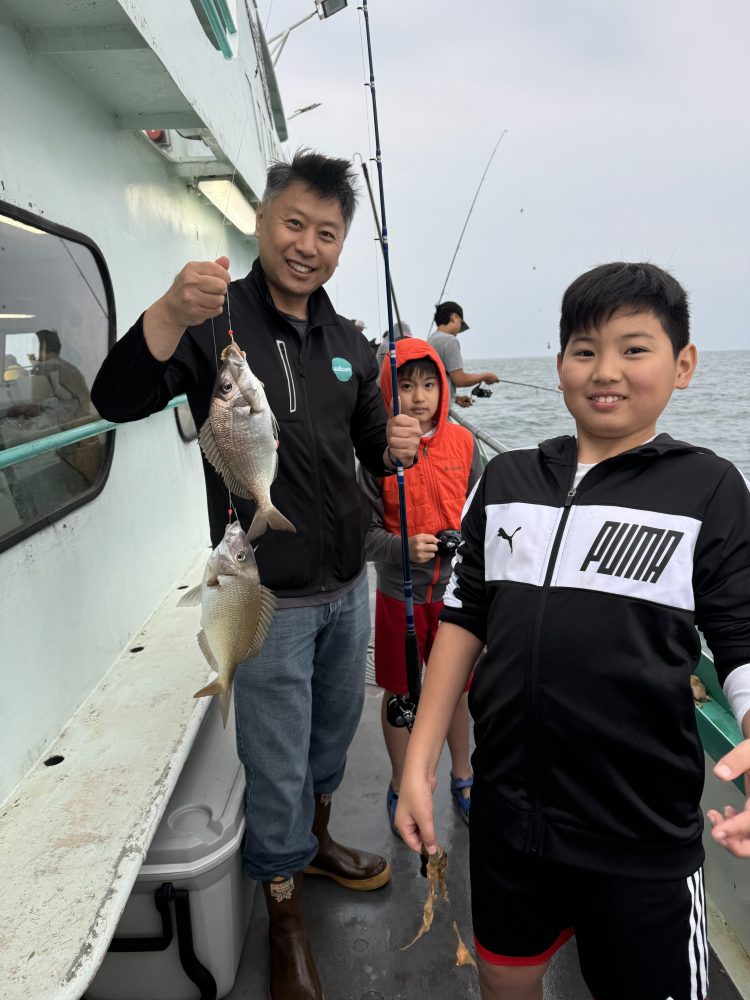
410 349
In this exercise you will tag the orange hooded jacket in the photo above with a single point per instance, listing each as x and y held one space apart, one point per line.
435 486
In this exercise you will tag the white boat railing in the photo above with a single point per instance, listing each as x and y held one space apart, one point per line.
480 436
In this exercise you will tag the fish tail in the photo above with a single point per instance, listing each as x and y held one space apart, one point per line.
268 517
225 700
224 693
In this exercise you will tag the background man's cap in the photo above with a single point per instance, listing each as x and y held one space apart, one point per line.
399 330
360 325
454 307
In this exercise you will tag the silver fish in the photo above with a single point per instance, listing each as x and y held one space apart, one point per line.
236 611
241 437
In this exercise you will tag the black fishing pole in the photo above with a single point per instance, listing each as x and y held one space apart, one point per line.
466 223
400 710
380 241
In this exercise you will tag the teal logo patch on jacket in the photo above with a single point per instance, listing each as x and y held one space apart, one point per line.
342 369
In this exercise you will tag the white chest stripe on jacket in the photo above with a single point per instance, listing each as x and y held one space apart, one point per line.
518 539
632 553
289 377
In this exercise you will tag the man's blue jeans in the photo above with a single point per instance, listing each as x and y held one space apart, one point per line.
297 706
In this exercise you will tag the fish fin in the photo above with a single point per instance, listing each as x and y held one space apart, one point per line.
269 517
211 450
277 520
206 650
275 426
191 598
215 687
225 697
265 614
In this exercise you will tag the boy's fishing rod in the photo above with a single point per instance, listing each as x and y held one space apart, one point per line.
377 230
466 223
400 709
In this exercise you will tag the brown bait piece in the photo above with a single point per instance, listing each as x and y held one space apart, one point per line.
700 695
437 865
463 955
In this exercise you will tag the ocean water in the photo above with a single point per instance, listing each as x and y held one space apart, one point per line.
714 411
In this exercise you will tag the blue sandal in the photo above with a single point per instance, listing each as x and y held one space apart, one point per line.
392 801
464 804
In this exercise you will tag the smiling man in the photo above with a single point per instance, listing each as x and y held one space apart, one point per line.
299 701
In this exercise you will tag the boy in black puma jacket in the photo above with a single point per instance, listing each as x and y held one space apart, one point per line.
585 566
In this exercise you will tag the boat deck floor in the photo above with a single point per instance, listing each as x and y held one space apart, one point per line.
358 937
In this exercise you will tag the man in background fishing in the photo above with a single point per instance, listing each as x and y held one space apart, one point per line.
400 330
449 320
298 702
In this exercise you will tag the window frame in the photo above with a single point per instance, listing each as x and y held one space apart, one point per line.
31 527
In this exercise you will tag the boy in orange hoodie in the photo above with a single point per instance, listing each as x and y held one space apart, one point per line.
436 489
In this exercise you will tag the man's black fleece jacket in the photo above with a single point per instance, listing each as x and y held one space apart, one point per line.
323 390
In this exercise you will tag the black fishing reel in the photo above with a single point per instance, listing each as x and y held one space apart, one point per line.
401 712
448 541
483 393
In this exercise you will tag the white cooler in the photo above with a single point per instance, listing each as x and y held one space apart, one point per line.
196 848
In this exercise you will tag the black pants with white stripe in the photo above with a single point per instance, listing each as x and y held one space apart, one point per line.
637 939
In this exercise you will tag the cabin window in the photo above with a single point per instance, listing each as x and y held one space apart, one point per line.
56 326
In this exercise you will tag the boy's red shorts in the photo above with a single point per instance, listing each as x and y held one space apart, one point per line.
390 630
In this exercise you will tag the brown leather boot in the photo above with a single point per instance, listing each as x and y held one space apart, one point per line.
293 974
349 867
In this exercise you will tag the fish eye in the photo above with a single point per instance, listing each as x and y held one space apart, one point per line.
240 557
226 387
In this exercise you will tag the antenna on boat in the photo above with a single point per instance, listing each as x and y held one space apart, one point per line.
466 223
401 710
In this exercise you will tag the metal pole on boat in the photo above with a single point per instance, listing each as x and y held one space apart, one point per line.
401 710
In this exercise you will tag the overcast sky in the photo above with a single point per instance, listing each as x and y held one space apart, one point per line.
627 138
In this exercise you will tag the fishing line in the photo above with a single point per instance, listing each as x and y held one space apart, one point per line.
361 159
466 223
268 18
530 385
224 220
232 509
400 711
378 240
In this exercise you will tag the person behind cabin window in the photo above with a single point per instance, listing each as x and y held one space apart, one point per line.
70 397
55 391
585 566
436 490
449 320
299 701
